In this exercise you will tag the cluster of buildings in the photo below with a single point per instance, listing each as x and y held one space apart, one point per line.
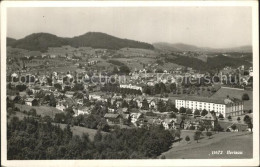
120 114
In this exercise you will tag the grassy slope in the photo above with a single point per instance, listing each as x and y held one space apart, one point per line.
41 110
77 130
223 92
221 141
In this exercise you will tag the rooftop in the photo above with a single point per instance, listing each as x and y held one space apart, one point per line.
111 115
210 100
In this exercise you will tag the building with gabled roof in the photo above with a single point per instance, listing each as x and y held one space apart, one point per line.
31 102
113 118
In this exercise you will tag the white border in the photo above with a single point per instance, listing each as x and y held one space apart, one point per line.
174 162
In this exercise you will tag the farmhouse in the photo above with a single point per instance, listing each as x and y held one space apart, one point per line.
209 119
82 110
168 123
60 105
31 102
113 118
136 117
94 97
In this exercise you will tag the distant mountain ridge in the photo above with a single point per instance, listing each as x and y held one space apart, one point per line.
41 42
180 47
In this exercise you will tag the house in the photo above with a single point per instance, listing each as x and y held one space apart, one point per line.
83 110
56 93
139 103
31 102
111 110
94 97
136 117
60 105
69 94
113 118
70 102
48 88
152 103
129 86
209 119
52 56
155 121
79 101
168 123
11 98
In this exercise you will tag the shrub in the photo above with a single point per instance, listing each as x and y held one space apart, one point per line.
245 96
163 157
187 138
220 116
192 127
209 134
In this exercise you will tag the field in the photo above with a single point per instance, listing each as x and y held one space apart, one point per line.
222 141
77 130
132 52
237 93
40 110
135 63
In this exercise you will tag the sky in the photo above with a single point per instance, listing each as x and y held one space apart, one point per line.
216 27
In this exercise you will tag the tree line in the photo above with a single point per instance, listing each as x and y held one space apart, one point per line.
34 139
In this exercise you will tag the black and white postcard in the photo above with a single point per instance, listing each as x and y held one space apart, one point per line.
113 83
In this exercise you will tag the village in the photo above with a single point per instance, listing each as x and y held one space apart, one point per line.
134 99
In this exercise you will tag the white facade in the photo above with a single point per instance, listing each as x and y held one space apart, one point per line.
227 108
131 87
60 106
83 111
193 105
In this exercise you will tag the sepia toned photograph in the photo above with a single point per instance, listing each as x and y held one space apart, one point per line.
102 81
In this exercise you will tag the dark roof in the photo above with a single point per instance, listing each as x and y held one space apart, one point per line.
209 116
125 116
202 99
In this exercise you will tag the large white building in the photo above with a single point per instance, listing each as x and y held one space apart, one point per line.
131 87
226 107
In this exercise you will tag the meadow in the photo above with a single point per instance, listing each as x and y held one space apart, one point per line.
222 141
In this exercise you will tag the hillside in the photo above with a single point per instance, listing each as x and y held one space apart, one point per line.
180 47
41 42
217 62
102 40
10 41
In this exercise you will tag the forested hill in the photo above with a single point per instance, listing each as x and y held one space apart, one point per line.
10 41
41 42
217 62
180 47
